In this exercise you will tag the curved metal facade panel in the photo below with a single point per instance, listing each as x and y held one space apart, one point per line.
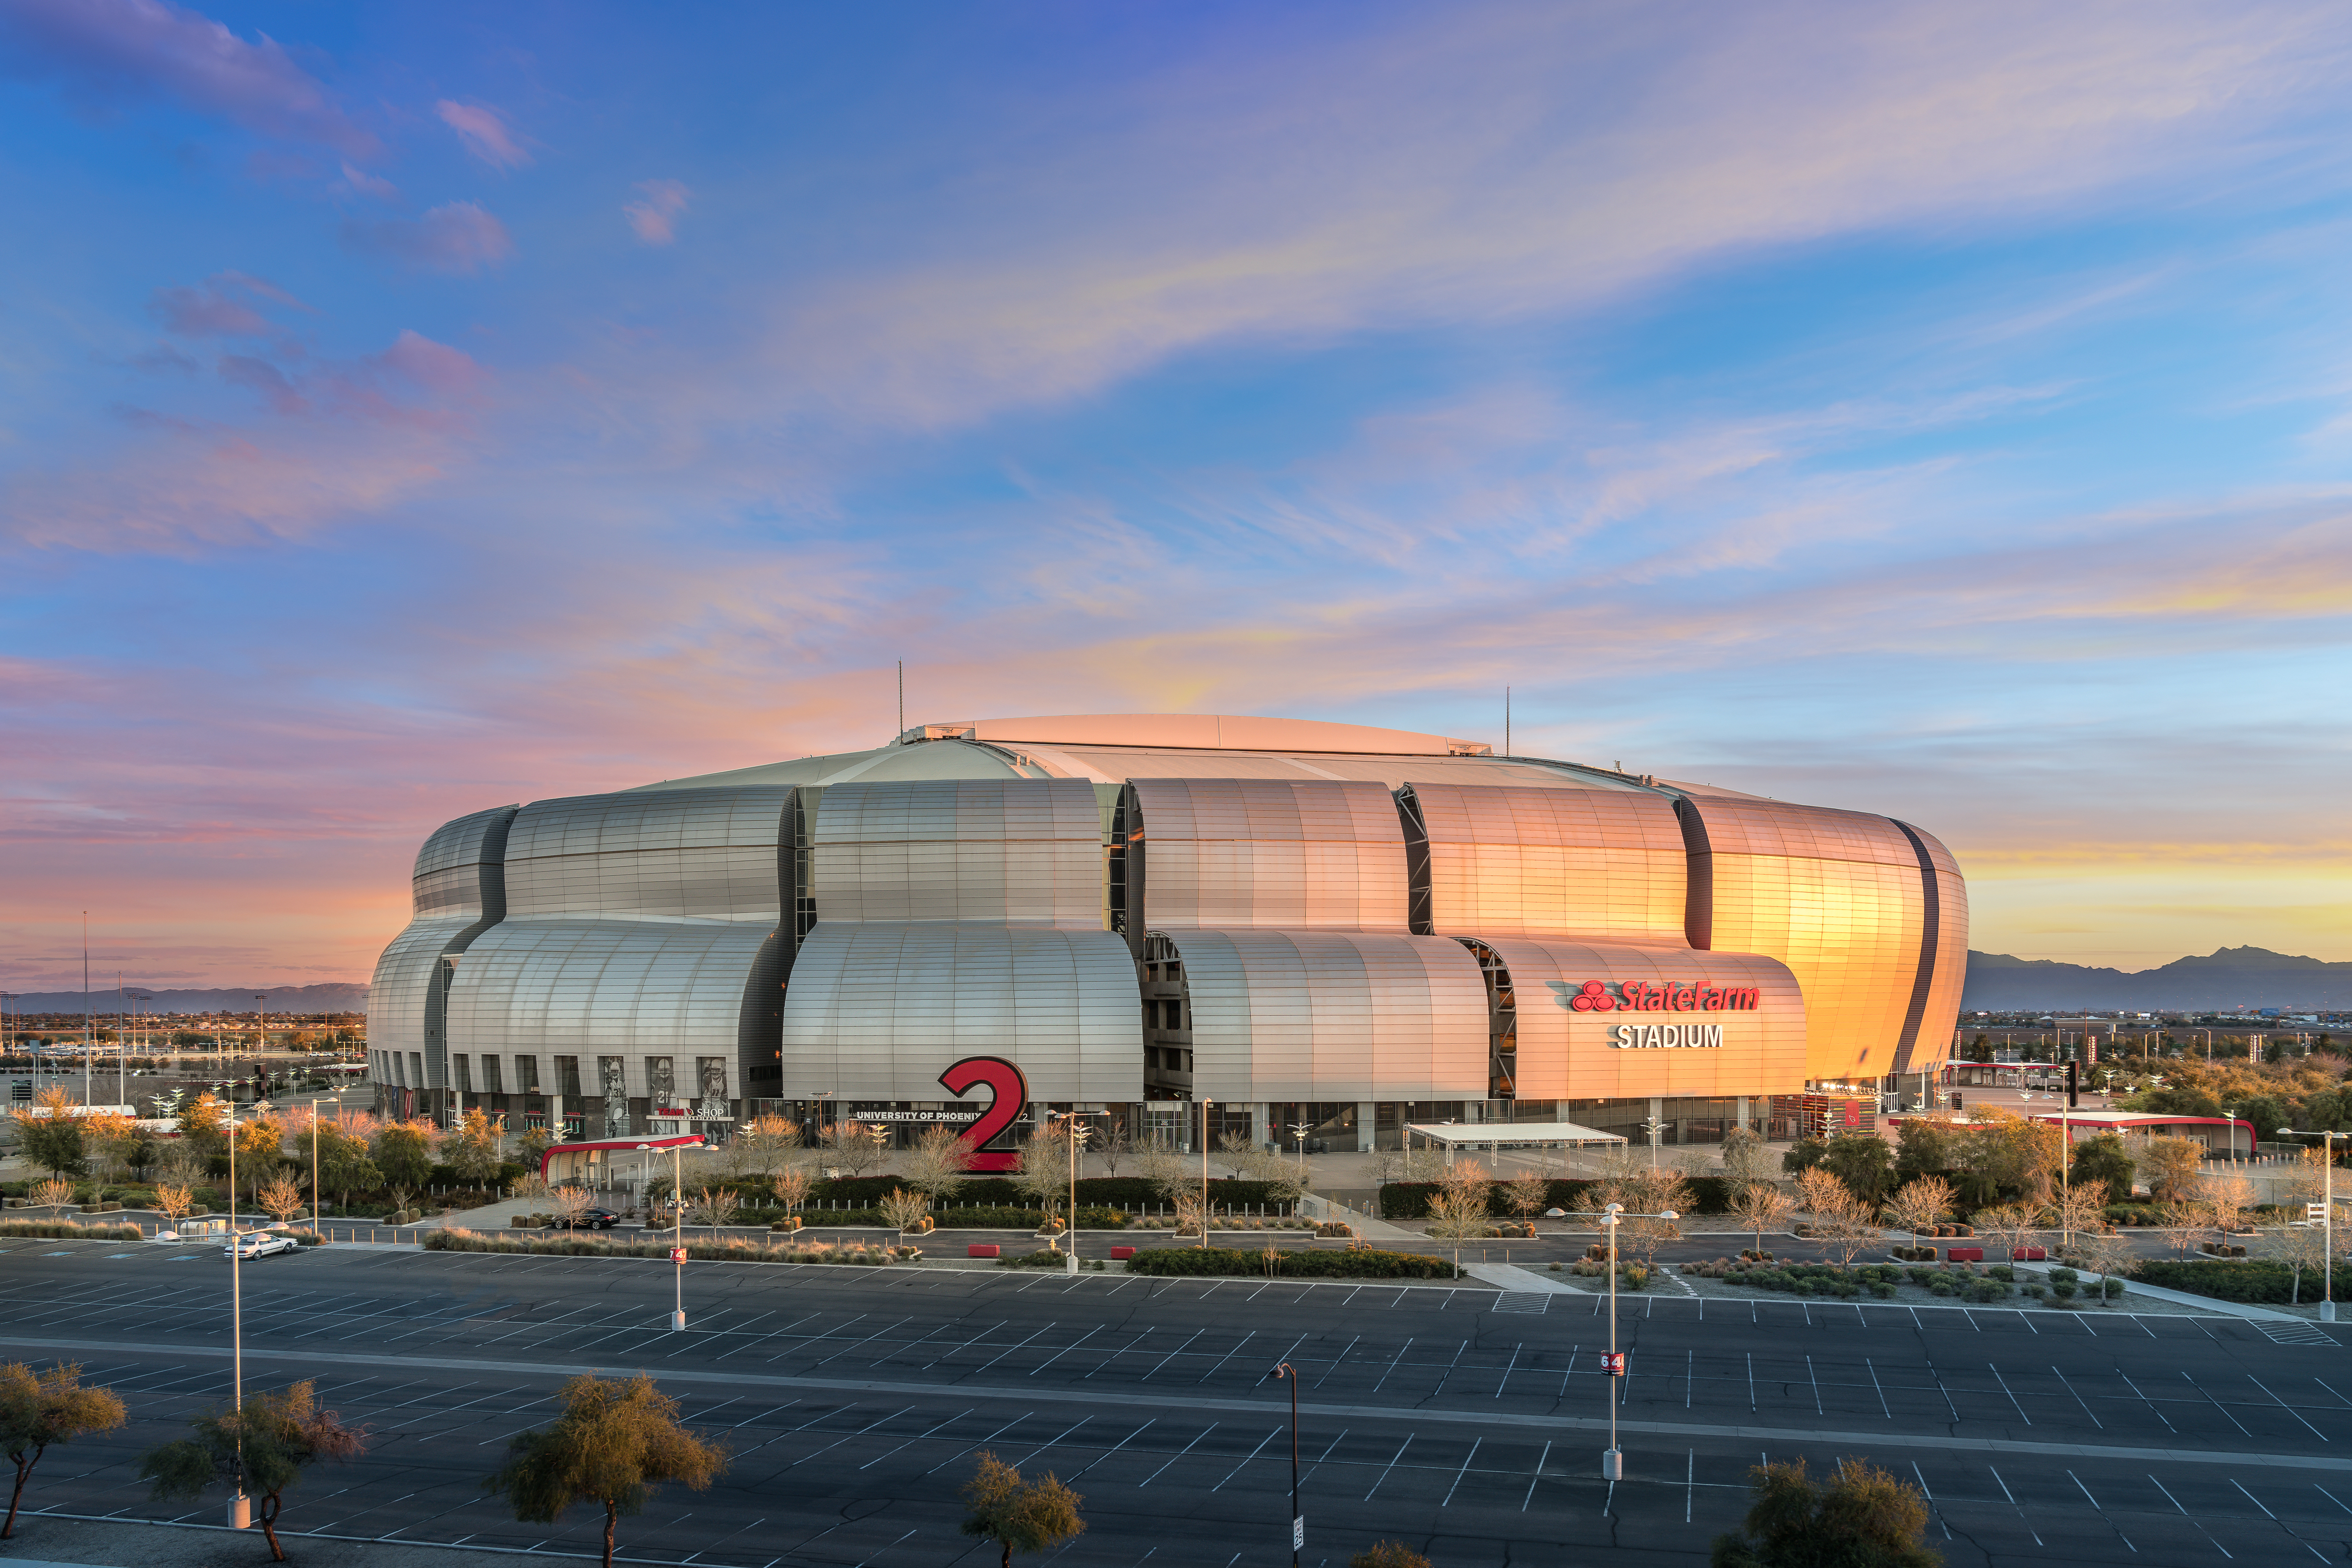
625 988
1933 1043
1567 1053
1024 852
880 1008
1309 854
459 870
399 992
1834 895
1332 1015
1517 860
674 855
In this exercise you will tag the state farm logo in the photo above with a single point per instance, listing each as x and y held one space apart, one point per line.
1640 996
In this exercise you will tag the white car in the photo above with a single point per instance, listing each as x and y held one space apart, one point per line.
261 1244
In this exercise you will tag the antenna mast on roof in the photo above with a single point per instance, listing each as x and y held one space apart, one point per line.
902 698
1507 720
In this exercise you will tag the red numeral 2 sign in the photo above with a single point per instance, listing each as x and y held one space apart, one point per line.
1011 1091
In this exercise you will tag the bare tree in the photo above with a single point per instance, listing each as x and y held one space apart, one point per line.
1526 1196
2009 1224
1045 1173
174 1201
2171 1166
714 1207
52 1193
1191 1215
1114 1144
850 1145
2227 1197
2302 1247
1457 1215
1170 1173
1746 1157
791 1188
1920 1204
282 1198
903 1210
1842 1221
2182 1222
2082 1206
572 1203
936 1165
1235 1149
1760 1206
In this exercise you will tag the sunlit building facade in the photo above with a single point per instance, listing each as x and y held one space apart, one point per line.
1316 928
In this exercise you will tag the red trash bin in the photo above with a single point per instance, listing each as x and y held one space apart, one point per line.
1117 1252
1964 1253
980 1249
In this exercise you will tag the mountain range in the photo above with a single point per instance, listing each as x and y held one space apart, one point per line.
2229 977
334 996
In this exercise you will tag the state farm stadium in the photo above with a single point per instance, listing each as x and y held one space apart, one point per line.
1310 927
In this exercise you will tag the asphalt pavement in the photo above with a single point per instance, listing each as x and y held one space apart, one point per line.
1466 1422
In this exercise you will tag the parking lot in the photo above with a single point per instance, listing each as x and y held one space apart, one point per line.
1466 1421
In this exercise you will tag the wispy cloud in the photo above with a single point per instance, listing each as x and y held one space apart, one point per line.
484 133
655 217
459 236
147 48
222 306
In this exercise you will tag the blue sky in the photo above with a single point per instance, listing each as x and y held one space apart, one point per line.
1936 410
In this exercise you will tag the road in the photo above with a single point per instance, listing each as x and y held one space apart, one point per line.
1465 1422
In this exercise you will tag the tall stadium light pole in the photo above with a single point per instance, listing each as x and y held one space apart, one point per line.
85 1040
240 1511
2326 1216
1289 1374
1298 1131
1612 1461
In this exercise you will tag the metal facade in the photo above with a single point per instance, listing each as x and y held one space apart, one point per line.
1519 860
1296 855
1566 1053
960 918
682 855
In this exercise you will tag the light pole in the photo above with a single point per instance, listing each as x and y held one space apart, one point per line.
1298 1131
1204 1173
1289 1374
2326 1216
1612 1461
241 1508
1077 1132
1654 1127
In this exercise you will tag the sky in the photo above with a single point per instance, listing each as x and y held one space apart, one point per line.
1937 411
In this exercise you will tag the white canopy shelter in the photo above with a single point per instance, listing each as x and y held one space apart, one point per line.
1496 1136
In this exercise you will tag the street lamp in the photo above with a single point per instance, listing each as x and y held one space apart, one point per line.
1298 1131
1204 1173
1289 1373
1655 1126
2326 1216
1077 1134
241 1508
1612 1461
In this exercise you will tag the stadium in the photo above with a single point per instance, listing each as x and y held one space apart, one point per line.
1315 928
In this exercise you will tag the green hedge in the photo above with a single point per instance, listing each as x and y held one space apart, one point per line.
2253 1281
1130 1193
725 1251
963 1219
66 1230
1327 1263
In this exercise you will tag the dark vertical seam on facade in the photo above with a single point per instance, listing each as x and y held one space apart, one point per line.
491 889
1698 876
1418 904
1930 933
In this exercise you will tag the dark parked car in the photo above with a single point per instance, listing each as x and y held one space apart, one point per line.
594 1219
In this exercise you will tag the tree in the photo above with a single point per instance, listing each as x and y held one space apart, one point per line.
2177 1099
52 1195
534 1142
713 1207
1761 1205
1925 1147
1526 1196
1864 1518
1456 1217
174 1201
2182 1221
760 1144
1802 1156
1920 1204
1235 1149
1843 1220
2104 1159
471 1148
404 1153
49 1134
571 1202
1861 1160
2171 1166
848 1144
2227 1197
343 1163
934 1166
1115 1144
260 1150
611 1443
1746 1157
1642 1192
791 1188
1045 1173
2302 1247
902 1211
1388 1555
282 1198
36 1410
2009 1224
264 1447
1032 1517
203 1123
109 1138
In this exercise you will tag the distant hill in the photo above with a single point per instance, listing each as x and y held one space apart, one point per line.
334 997
2229 977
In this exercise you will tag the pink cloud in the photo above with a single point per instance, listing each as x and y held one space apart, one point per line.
655 217
146 48
218 308
484 132
457 238
437 367
367 185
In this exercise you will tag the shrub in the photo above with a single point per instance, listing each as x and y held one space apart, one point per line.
1043 1257
1325 1264
2256 1281
66 1230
